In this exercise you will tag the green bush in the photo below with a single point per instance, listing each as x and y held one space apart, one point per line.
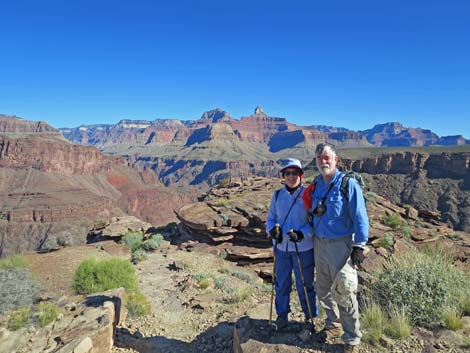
17 287
372 322
240 294
371 196
153 242
204 283
93 276
392 220
18 318
137 304
387 240
398 325
138 256
420 285
464 304
133 240
46 312
452 319
406 231
14 262
64 240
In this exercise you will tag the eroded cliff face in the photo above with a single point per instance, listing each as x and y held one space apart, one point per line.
50 187
436 182
13 124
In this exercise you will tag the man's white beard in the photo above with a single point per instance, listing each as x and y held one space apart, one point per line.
325 170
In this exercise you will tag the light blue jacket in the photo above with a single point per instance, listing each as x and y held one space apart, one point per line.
342 217
297 219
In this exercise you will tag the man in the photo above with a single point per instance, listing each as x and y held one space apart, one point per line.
341 228
287 224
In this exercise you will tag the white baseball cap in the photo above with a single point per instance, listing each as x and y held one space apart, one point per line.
292 163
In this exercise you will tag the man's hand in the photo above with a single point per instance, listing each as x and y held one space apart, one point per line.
357 256
276 233
296 235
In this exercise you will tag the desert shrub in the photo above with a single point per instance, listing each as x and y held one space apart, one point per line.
452 318
387 240
371 196
138 256
204 283
220 202
223 254
406 231
240 294
46 312
17 288
133 240
137 304
221 283
453 236
93 276
50 244
398 326
18 318
64 240
153 242
392 220
14 262
464 304
372 322
420 286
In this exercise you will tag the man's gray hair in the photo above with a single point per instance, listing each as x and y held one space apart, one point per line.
321 147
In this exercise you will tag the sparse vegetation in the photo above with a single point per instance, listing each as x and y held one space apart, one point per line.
453 236
46 312
240 294
153 242
387 240
398 326
94 276
372 321
371 196
17 288
14 262
220 202
452 318
420 285
224 182
392 220
18 318
137 304
406 231
133 240
138 256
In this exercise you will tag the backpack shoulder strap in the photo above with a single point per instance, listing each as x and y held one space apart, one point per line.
344 185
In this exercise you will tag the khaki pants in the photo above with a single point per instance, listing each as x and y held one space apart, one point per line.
330 256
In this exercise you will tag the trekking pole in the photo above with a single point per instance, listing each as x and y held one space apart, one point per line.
278 230
303 282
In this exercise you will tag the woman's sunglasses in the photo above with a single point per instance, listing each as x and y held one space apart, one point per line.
289 173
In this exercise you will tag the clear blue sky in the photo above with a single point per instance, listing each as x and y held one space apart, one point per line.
343 63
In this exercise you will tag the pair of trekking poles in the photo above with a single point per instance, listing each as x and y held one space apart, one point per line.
299 262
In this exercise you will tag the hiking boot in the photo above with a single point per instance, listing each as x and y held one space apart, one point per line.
329 334
351 349
309 324
281 323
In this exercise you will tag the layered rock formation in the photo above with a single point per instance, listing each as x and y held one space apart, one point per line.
52 187
436 182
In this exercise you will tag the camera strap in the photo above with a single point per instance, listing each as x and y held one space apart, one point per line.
290 208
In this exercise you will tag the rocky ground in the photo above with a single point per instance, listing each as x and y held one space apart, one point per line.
187 318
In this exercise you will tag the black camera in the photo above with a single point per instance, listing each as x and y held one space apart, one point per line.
320 210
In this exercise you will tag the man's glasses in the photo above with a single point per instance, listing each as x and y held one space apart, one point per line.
289 173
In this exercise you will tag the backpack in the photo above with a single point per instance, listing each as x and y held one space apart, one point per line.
307 195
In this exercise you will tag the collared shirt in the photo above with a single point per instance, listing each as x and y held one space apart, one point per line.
297 219
343 217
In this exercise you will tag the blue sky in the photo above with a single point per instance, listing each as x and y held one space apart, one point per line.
342 63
